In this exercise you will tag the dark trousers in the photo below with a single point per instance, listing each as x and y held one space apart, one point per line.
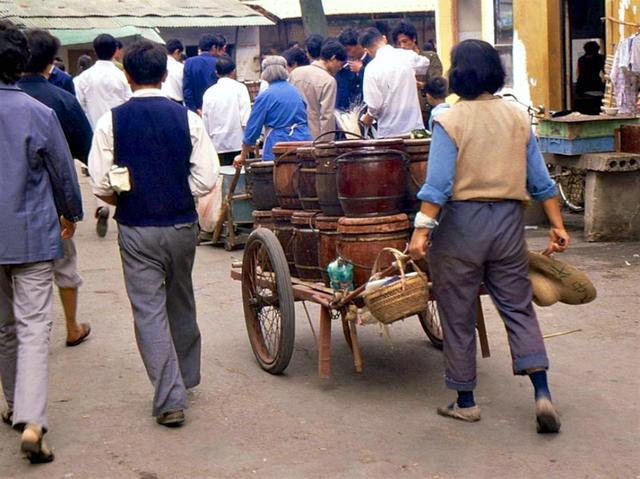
226 159
157 264
480 242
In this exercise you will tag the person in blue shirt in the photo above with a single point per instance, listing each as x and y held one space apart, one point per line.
61 78
200 71
484 163
280 109
437 91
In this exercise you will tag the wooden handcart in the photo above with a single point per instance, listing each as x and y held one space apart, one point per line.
269 293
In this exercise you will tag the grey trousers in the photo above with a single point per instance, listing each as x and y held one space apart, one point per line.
483 242
25 324
157 264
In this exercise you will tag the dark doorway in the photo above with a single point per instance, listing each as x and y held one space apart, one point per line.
584 58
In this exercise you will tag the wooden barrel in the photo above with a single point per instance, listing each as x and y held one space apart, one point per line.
327 243
372 181
284 171
284 233
264 219
305 246
362 239
260 184
418 152
305 179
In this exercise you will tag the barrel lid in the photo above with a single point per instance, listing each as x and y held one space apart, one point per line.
304 218
374 224
262 164
380 143
282 213
289 146
262 214
417 142
327 223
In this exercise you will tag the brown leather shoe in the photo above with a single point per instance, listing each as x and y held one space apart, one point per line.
171 419
33 445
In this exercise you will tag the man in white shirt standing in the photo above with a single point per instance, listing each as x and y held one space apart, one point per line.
172 86
225 110
99 89
390 86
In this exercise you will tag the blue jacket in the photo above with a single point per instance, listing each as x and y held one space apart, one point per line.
282 109
199 75
73 120
38 181
62 79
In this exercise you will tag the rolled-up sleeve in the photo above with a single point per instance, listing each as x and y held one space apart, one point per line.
539 183
441 173
205 165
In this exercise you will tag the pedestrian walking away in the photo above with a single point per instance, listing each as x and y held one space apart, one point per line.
472 212
157 221
78 134
200 71
38 175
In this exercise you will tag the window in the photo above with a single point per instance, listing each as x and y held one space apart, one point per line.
503 19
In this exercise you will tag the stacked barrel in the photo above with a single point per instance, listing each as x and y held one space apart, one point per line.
348 198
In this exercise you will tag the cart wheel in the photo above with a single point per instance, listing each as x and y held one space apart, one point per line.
430 321
268 301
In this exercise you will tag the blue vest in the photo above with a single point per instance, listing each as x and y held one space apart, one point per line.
151 138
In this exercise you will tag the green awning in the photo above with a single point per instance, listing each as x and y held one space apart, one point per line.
84 36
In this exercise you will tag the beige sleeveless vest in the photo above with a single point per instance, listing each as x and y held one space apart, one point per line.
492 136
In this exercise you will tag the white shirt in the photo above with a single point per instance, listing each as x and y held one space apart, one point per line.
225 110
390 90
205 165
101 88
172 86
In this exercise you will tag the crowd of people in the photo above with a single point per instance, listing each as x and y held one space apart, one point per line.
114 118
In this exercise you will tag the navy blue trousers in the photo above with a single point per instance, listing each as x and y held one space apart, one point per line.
483 242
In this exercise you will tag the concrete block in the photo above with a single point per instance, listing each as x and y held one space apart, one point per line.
612 206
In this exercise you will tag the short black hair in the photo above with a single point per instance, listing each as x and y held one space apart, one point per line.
221 40
44 48
405 28
591 48
382 27
118 44
105 46
437 87
84 63
145 62
293 44
369 37
476 68
313 44
225 66
429 46
14 52
349 37
296 57
333 48
174 44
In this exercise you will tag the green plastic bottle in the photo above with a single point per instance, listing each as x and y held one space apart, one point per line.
341 275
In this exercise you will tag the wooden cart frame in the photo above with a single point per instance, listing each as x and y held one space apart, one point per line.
269 293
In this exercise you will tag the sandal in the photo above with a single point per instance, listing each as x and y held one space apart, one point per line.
87 331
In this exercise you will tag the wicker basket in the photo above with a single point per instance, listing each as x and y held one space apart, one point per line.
400 299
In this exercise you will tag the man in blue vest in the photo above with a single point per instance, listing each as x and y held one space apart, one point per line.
157 220
200 71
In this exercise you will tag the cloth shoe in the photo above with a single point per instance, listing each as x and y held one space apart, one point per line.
468 414
103 222
547 417
171 419
33 445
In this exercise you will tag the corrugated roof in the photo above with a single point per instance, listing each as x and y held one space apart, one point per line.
71 14
286 9
82 36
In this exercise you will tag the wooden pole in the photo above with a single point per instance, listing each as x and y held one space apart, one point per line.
313 18
324 346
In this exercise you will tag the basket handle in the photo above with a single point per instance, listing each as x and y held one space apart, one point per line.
401 258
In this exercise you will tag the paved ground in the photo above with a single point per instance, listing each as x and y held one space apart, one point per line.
246 423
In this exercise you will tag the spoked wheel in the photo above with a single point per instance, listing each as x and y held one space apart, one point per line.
267 296
430 321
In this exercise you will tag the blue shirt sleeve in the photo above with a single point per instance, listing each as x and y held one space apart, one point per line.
257 119
187 87
442 168
539 184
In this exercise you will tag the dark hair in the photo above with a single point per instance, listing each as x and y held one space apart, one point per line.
84 63
293 44
382 27
313 44
591 48
145 62
405 28
14 52
429 46
333 48
173 45
118 44
225 66
349 37
476 68
105 46
44 48
369 37
296 57
59 64
221 40
436 87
